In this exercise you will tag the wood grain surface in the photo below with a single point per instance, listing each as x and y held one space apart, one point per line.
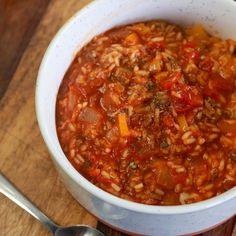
17 24
24 158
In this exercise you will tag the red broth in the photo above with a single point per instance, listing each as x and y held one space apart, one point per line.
147 112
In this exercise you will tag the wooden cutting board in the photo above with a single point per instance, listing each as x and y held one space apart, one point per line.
24 158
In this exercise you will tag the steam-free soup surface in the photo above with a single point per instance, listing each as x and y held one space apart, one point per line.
147 112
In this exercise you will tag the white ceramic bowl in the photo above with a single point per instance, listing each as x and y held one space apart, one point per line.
217 16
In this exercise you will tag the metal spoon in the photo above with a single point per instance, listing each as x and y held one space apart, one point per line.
10 191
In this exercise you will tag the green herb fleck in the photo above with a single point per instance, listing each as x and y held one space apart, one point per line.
87 164
164 144
161 99
150 86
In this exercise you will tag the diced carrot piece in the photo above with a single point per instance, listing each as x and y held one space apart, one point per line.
145 30
182 122
132 38
123 126
198 32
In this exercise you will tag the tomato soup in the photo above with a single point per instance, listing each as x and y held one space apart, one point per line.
147 112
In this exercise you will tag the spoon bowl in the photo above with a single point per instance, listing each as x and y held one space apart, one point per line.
78 230
10 191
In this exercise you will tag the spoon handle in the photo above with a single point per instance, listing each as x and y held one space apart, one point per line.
10 191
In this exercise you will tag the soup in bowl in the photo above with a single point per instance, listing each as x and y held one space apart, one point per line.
145 112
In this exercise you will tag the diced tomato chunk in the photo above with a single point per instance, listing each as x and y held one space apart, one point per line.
186 97
179 178
110 100
169 81
90 88
227 126
190 44
94 172
217 85
152 47
220 84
